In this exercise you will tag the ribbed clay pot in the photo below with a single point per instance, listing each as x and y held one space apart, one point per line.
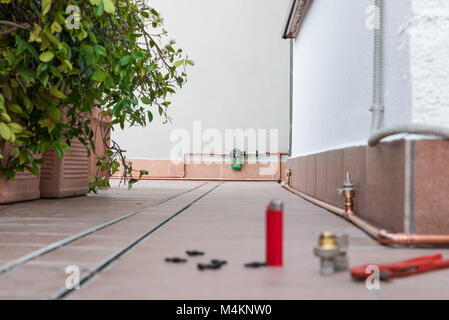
68 177
25 185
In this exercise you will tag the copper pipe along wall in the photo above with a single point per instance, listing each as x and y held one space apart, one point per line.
382 236
183 176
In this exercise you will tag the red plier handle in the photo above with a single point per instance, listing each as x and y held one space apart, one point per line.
404 268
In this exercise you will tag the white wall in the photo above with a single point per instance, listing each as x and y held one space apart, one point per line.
332 77
397 77
333 74
241 77
429 54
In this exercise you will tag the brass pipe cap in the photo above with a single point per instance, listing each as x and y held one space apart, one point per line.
327 241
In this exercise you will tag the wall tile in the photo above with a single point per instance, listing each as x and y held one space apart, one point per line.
334 177
385 191
431 186
354 162
321 176
298 167
311 175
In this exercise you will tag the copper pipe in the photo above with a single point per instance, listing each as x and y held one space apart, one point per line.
183 176
203 179
408 239
382 236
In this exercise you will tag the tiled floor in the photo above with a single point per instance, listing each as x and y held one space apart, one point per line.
228 224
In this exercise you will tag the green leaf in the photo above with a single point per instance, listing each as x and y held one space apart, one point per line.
35 34
55 27
95 2
34 169
46 56
101 51
15 108
15 128
46 5
41 68
109 6
53 39
32 50
5 117
93 37
146 100
82 35
5 132
15 152
88 52
58 94
191 62
58 151
178 63
125 60
23 157
10 174
98 11
99 76
28 104
131 182
150 116
68 64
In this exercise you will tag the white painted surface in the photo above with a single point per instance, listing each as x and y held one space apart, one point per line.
241 77
333 71
429 52
397 78
332 77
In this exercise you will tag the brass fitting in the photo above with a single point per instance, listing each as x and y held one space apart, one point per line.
288 175
327 250
332 250
327 240
348 192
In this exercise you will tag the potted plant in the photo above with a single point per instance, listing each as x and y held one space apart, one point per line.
54 66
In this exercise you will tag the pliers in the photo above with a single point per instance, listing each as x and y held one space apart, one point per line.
403 268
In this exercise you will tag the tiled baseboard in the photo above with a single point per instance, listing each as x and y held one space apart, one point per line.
210 170
401 186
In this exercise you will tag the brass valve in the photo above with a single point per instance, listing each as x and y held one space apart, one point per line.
348 192
332 250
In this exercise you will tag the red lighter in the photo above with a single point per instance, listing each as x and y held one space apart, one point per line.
274 235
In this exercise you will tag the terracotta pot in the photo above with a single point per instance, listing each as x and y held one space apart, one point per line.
68 177
25 186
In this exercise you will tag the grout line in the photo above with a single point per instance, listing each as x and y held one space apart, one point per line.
56 245
409 188
92 275
315 157
412 188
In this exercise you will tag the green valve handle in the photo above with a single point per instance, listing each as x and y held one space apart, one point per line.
234 166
